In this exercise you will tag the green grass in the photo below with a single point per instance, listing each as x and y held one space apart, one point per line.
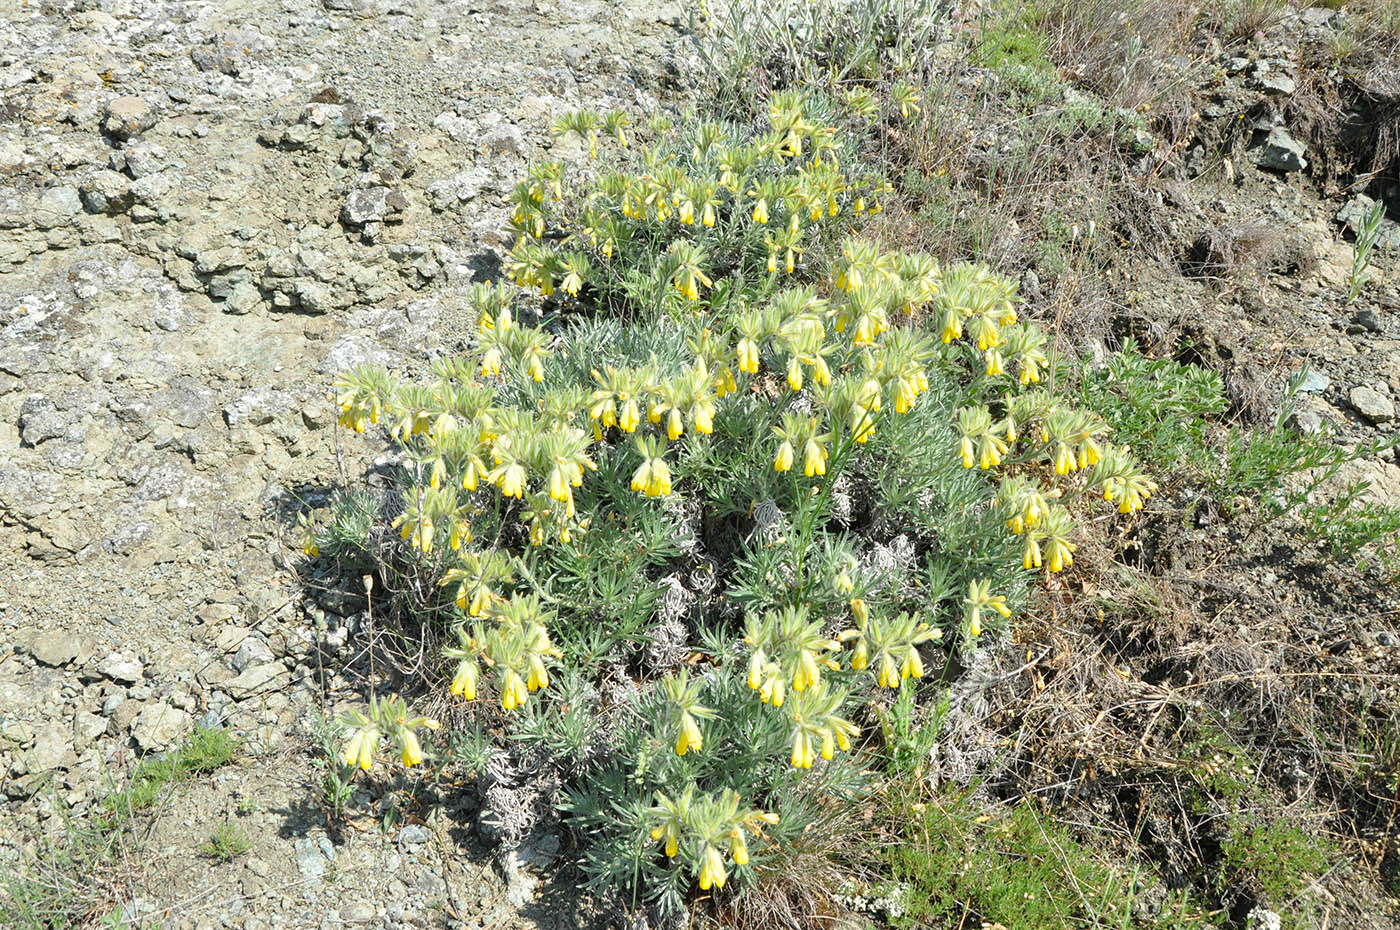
206 750
1280 859
227 842
1017 869
66 884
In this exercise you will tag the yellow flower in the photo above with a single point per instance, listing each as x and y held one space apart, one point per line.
359 750
689 737
813 459
712 872
704 418
802 756
913 666
513 693
511 480
889 672
412 751
994 363
631 415
675 426
1031 556
1064 460
738 849
558 484
539 676
748 356
669 832
784 460
464 682
794 374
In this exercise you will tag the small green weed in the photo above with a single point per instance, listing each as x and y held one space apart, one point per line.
1367 236
1279 858
227 842
1356 529
63 887
206 750
1013 868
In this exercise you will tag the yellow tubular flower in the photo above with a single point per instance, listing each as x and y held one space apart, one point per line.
359 750
412 751
675 426
783 462
738 849
913 665
756 662
794 374
464 682
748 356
889 673
513 693
704 418
801 751
712 872
539 676
689 738
814 459
1064 460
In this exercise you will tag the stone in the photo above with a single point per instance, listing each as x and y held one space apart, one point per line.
40 420
243 298
505 139
1315 383
370 205
1275 82
415 835
128 116
1367 320
121 668
1353 216
253 651
1282 152
310 862
257 407
230 638
456 127
520 884
52 750
256 679
57 206
160 726
59 649
1375 406
359 912
462 187
105 191
87 727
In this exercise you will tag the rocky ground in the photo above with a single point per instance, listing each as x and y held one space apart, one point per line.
206 211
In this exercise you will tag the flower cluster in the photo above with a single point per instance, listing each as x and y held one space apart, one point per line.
386 718
703 825
514 642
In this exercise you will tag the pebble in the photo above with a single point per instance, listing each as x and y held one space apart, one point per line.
121 668
1375 406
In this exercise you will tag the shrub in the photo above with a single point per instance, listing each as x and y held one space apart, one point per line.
744 477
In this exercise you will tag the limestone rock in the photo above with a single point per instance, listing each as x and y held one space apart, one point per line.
159 726
1375 406
128 116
